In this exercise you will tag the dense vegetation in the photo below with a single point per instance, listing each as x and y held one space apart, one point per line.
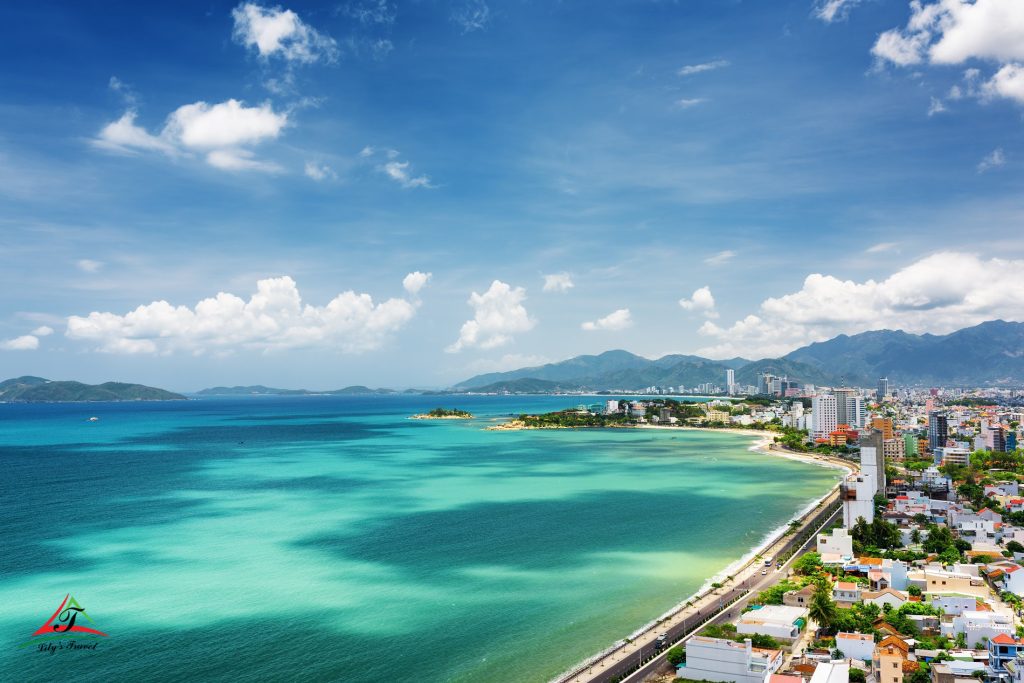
448 412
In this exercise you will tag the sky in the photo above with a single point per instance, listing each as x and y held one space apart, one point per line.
405 194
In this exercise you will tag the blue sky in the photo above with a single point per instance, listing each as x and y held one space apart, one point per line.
716 177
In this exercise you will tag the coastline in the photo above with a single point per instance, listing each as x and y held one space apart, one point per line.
763 443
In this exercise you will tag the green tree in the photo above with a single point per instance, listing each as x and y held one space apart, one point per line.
808 564
676 655
857 676
1015 547
823 608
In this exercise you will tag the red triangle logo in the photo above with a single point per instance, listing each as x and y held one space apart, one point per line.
65 620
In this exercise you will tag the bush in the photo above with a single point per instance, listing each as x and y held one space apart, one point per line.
676 655
857 676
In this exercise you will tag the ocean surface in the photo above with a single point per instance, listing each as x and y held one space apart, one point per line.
332 539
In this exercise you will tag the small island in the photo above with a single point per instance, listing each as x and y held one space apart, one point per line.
444 414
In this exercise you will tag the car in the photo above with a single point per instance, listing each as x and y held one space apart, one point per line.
661 641
764 572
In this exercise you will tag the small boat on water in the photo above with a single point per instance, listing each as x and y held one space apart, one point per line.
94 419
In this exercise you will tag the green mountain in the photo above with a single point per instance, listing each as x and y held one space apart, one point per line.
39 390
991 353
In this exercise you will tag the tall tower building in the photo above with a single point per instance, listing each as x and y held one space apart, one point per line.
730 381
883 391
938 430
872 450
823 415
841 403
856 413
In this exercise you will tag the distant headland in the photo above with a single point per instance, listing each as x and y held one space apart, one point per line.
30 389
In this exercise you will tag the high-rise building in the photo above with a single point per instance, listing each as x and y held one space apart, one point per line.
730 381
910 444
872 449
938 430
841 396
997 437
823 415
882 393
856 413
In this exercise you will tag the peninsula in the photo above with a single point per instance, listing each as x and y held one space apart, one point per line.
39 390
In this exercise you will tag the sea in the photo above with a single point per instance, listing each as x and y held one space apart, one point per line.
332 538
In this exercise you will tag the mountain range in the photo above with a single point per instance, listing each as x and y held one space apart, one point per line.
990 354
39 390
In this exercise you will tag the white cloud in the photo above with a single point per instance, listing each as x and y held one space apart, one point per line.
720 258
226 124
613 322
274 318
319 172
399 172
937 294
44 331
498 314
834 10
1007 82
126 137
686 103
89 266
274 31
993 159
702 301
691 69
220 130
239 160
955 31
881 247
471 15
558 282
416 281
25 342
936 107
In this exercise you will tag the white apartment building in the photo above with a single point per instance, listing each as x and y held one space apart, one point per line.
837 546
823 415
716 659
858 490
781 622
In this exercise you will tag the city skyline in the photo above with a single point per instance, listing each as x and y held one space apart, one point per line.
409 194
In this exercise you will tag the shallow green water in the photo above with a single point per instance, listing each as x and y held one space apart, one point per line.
328 539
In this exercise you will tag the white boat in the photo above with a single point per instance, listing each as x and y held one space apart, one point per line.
94 419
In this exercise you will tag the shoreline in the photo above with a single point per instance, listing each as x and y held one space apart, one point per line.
764 442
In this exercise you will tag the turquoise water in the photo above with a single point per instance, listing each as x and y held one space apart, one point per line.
330 538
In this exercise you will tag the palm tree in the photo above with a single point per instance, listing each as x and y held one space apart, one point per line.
822 608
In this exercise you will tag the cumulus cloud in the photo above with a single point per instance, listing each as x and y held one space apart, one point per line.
319 172
691 69
558 282
993 159
937 294
498 314
702 301
834 10
25 342
614 321
277 32
273 318
43 331
399 172
88 265
720 258
955 31
221 131
416 281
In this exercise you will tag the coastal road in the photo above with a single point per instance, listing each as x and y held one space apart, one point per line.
634 661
